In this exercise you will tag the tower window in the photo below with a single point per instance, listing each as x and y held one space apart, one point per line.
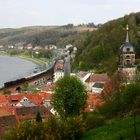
128 49
128 57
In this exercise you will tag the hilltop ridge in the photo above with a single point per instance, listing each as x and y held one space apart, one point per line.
43 35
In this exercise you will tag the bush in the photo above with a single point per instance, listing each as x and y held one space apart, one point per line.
94 120
110 109
53 128
131 97
25 131
73 128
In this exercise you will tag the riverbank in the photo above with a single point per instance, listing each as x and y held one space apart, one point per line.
34 60
41 62
27 57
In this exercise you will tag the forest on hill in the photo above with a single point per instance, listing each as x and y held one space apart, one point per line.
45 35
99 51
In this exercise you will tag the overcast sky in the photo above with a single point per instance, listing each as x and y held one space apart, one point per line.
18 13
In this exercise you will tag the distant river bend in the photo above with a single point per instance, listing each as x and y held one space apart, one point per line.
12 68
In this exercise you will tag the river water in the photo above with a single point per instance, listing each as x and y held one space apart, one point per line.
12 68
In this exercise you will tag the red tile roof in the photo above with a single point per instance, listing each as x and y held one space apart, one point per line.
98 78
48 87
59 66
27 113
3 100
4 112
33 98
45 95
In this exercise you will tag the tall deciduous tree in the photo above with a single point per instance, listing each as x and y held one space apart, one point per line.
69 97
112 95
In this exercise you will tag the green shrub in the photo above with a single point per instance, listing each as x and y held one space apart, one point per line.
52 128
131 97
94 120
25 131
73 128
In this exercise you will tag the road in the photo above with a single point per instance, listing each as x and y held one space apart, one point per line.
67 65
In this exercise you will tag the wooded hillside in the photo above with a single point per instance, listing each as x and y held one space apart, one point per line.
44 35
99 51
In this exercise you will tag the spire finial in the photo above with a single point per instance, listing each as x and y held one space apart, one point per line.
127 36
127 27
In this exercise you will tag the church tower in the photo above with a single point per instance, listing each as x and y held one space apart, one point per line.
127 58
127 53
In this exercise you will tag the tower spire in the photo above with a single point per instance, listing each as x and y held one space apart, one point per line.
127 35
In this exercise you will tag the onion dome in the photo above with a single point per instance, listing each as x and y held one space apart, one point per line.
126 47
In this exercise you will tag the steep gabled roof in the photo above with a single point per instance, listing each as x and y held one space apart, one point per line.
33 98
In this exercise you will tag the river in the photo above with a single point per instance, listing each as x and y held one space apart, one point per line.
12 68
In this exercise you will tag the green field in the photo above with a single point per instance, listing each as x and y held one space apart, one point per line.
115 130
35 60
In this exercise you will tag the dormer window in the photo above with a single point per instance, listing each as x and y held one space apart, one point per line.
24 99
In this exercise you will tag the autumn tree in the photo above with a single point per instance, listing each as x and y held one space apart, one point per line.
69 97
114 85
112 95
